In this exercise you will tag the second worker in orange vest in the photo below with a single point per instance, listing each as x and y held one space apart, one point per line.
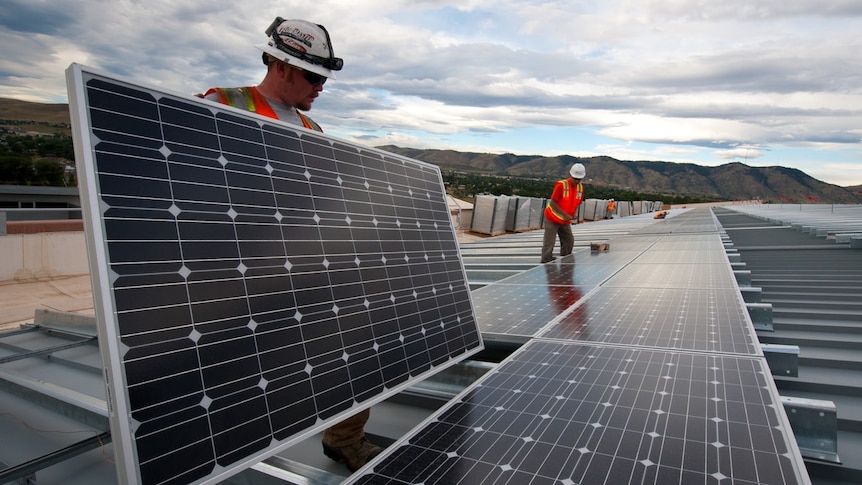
561 211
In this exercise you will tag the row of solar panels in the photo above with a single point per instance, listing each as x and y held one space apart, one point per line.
636 365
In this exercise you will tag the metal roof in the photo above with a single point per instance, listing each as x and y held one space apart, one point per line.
801 261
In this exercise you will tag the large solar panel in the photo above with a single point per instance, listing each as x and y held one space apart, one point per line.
674 275
711 320
578 271
574 413
699 242
689 222
254 282
658 254
514 313
518 307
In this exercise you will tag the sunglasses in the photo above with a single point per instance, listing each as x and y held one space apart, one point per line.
313 78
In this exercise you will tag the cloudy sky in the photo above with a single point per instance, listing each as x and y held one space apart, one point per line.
762 82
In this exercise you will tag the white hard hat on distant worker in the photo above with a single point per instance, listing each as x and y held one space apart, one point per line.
578 171
301 44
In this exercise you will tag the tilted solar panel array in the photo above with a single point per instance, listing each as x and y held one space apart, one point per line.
570 413
254 282
651 376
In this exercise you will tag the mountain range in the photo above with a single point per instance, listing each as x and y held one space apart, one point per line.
731 181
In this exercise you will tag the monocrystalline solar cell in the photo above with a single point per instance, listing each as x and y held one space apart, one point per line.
254 281
567 413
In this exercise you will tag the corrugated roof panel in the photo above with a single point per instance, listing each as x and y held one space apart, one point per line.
814 285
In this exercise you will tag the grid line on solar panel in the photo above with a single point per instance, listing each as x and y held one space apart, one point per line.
711 320
568 413
261 279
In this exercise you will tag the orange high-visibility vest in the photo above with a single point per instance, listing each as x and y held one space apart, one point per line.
250 99
568 200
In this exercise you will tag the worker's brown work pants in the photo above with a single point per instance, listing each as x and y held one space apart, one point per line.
567 240
348 431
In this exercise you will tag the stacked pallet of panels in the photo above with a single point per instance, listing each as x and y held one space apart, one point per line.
518 216
489 214
537 213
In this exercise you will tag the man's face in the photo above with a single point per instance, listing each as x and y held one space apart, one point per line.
309 85
299 88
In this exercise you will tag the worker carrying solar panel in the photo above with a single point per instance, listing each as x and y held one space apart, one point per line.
561 212
299 59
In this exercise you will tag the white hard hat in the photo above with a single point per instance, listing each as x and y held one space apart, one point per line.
578 171
301 44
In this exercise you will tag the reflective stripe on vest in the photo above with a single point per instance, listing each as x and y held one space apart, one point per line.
566 203
250 99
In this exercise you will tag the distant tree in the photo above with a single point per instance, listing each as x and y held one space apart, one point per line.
55 146
24 160
466 185
48 172
15 169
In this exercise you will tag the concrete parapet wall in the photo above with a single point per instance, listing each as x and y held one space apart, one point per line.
43 255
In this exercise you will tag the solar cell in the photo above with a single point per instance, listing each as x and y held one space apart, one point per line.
567 413
254 281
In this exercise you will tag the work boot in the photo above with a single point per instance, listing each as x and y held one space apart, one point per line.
353 455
